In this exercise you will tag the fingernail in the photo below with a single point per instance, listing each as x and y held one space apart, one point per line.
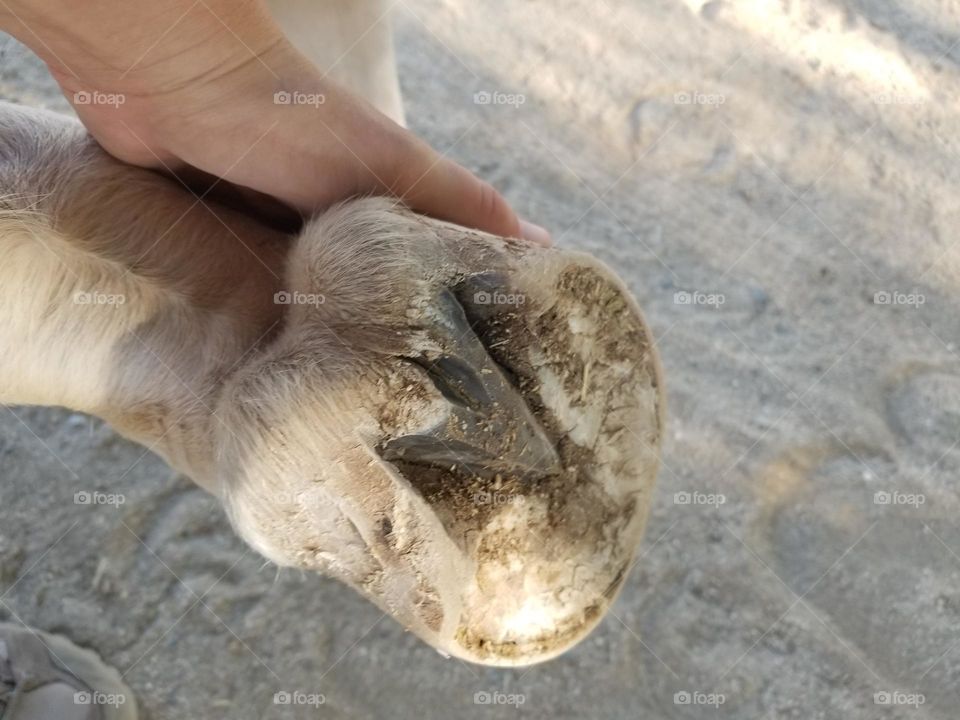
535 234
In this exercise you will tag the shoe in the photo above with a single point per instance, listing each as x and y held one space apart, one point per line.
47 677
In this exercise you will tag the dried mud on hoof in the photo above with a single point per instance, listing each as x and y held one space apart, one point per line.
538 453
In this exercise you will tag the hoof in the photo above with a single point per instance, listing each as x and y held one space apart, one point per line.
482 456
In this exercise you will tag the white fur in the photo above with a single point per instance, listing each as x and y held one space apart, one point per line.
156 253
271 407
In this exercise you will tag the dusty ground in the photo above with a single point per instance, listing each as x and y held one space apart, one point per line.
779 162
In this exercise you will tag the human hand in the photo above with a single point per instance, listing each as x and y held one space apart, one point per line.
193 87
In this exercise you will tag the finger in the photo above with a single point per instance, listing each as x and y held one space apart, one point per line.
448 191
535 234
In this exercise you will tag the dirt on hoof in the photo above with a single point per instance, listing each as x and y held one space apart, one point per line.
548 550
